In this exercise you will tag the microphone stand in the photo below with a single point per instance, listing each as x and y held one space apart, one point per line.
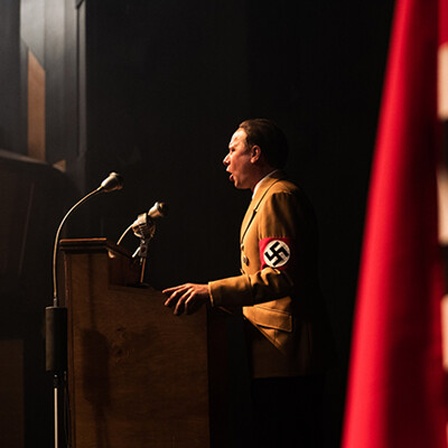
142 253
144 227
145 231
56 319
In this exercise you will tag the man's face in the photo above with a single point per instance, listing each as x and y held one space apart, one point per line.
238 161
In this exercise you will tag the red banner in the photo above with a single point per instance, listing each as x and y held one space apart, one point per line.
395 395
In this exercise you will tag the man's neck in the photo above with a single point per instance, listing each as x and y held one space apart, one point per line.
261 174
268 173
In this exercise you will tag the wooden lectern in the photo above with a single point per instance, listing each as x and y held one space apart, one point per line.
138 376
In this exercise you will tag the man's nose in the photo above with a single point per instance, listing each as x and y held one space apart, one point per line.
226 160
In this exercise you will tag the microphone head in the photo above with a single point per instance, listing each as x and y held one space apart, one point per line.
112 183
158 210
144 226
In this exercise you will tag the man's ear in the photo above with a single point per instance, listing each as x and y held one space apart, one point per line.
255 154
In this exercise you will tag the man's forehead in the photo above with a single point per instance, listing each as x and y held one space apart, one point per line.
238 136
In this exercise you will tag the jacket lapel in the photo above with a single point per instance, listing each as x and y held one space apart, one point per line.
251 211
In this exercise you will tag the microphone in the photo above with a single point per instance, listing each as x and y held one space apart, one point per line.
56 316
144 226
112 183
158 210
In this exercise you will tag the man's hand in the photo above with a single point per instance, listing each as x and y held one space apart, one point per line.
187 298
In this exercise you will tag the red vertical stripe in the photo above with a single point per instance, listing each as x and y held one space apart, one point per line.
395 389
443 22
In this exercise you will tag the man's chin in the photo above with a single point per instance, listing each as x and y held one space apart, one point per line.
233 180
237 184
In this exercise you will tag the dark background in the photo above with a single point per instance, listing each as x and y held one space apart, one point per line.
154 89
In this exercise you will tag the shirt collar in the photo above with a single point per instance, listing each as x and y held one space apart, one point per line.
257 185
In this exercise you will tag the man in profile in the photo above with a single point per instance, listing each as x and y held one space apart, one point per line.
286 328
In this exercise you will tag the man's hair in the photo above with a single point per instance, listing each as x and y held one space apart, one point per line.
269 137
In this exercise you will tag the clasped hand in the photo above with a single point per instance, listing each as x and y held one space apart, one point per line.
187 298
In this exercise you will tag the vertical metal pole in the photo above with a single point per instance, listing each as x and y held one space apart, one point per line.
56 419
